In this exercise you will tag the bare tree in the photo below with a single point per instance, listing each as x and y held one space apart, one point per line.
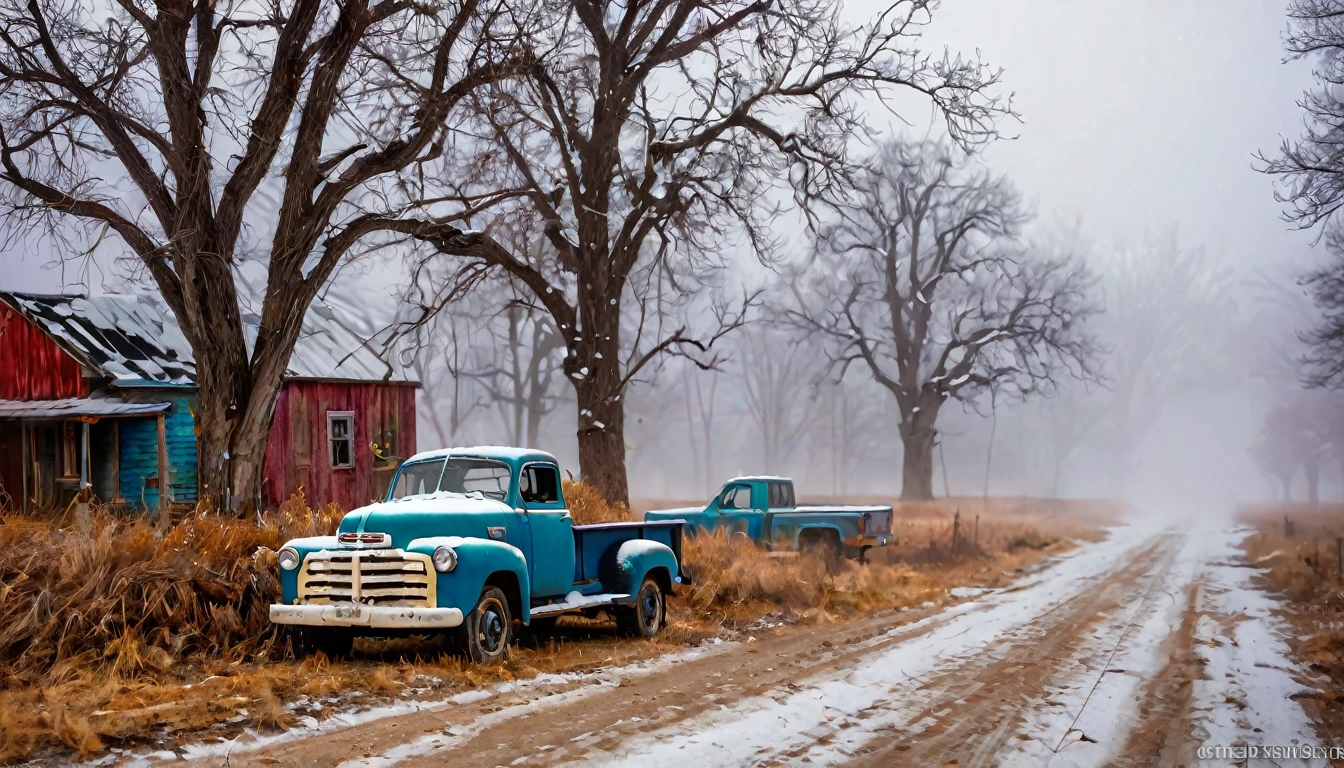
774 375
1310 173
701 407
648 138
1168 310
924 282
164 124
1299 434
450 396
520 369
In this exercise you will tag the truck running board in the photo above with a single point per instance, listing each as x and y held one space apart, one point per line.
575 602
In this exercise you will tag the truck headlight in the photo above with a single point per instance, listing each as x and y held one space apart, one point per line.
289 558
445 559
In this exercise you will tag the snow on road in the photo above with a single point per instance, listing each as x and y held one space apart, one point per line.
826 719
1246 696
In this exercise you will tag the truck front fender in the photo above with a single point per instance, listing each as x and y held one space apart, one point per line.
625 566
480 561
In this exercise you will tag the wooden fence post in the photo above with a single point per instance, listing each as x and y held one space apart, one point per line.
956 531
975 537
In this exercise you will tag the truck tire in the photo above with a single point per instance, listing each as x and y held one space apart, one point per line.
334 642
647 615
487 631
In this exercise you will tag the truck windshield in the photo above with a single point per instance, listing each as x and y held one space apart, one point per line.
454 474
418 479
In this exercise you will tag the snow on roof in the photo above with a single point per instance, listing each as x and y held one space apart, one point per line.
487 451
76 406
136 341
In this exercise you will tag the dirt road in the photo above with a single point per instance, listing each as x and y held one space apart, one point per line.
1129 652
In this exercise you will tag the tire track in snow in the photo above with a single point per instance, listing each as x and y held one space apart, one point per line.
832 719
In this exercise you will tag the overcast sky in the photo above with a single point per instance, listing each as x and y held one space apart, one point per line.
1137 115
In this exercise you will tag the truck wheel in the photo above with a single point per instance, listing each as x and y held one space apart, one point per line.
647 615
488 629
334 642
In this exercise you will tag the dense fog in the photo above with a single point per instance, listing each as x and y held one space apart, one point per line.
1134 153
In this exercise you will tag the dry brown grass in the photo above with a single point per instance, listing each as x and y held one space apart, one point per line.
1304 567
127 599
737 582
587 506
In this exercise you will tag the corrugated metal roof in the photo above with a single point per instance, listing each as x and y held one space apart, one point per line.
76 406
135 340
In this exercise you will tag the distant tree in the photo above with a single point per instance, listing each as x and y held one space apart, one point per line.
701 400
1299 434
647 139
166 125
519 369
775 380
925 281
1168 311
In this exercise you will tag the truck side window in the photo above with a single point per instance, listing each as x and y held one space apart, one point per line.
776 494
539 484
736 497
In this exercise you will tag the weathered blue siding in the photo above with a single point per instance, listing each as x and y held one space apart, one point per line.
139 446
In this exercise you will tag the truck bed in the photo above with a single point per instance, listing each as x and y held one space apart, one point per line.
592 541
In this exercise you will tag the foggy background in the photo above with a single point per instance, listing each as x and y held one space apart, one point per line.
1139 125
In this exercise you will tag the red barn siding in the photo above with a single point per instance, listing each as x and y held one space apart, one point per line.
32 367
296 454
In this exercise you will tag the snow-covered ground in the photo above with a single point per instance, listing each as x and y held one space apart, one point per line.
1247 694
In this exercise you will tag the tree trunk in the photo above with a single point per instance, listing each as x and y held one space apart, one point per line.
595 372
1312 469
602 441
917 466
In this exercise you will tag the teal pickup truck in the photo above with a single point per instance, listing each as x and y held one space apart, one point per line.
764 510
468 541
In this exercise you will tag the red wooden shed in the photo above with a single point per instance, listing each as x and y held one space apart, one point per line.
99 393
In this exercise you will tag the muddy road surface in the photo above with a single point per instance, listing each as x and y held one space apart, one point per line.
1134 651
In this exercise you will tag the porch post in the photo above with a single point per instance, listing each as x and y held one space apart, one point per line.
84 456
23 430
82 506
163 468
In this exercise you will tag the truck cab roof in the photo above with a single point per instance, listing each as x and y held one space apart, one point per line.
513 456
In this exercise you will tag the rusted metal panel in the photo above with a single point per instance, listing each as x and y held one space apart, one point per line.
298 452
32 367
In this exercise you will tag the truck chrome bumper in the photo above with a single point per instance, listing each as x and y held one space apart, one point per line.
373 616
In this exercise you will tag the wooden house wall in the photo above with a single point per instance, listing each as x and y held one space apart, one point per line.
297 451
32 367
138 449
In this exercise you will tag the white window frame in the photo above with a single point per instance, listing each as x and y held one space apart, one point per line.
332 417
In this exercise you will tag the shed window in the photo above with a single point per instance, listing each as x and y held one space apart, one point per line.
341 438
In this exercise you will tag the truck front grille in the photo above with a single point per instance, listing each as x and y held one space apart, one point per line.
373 577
